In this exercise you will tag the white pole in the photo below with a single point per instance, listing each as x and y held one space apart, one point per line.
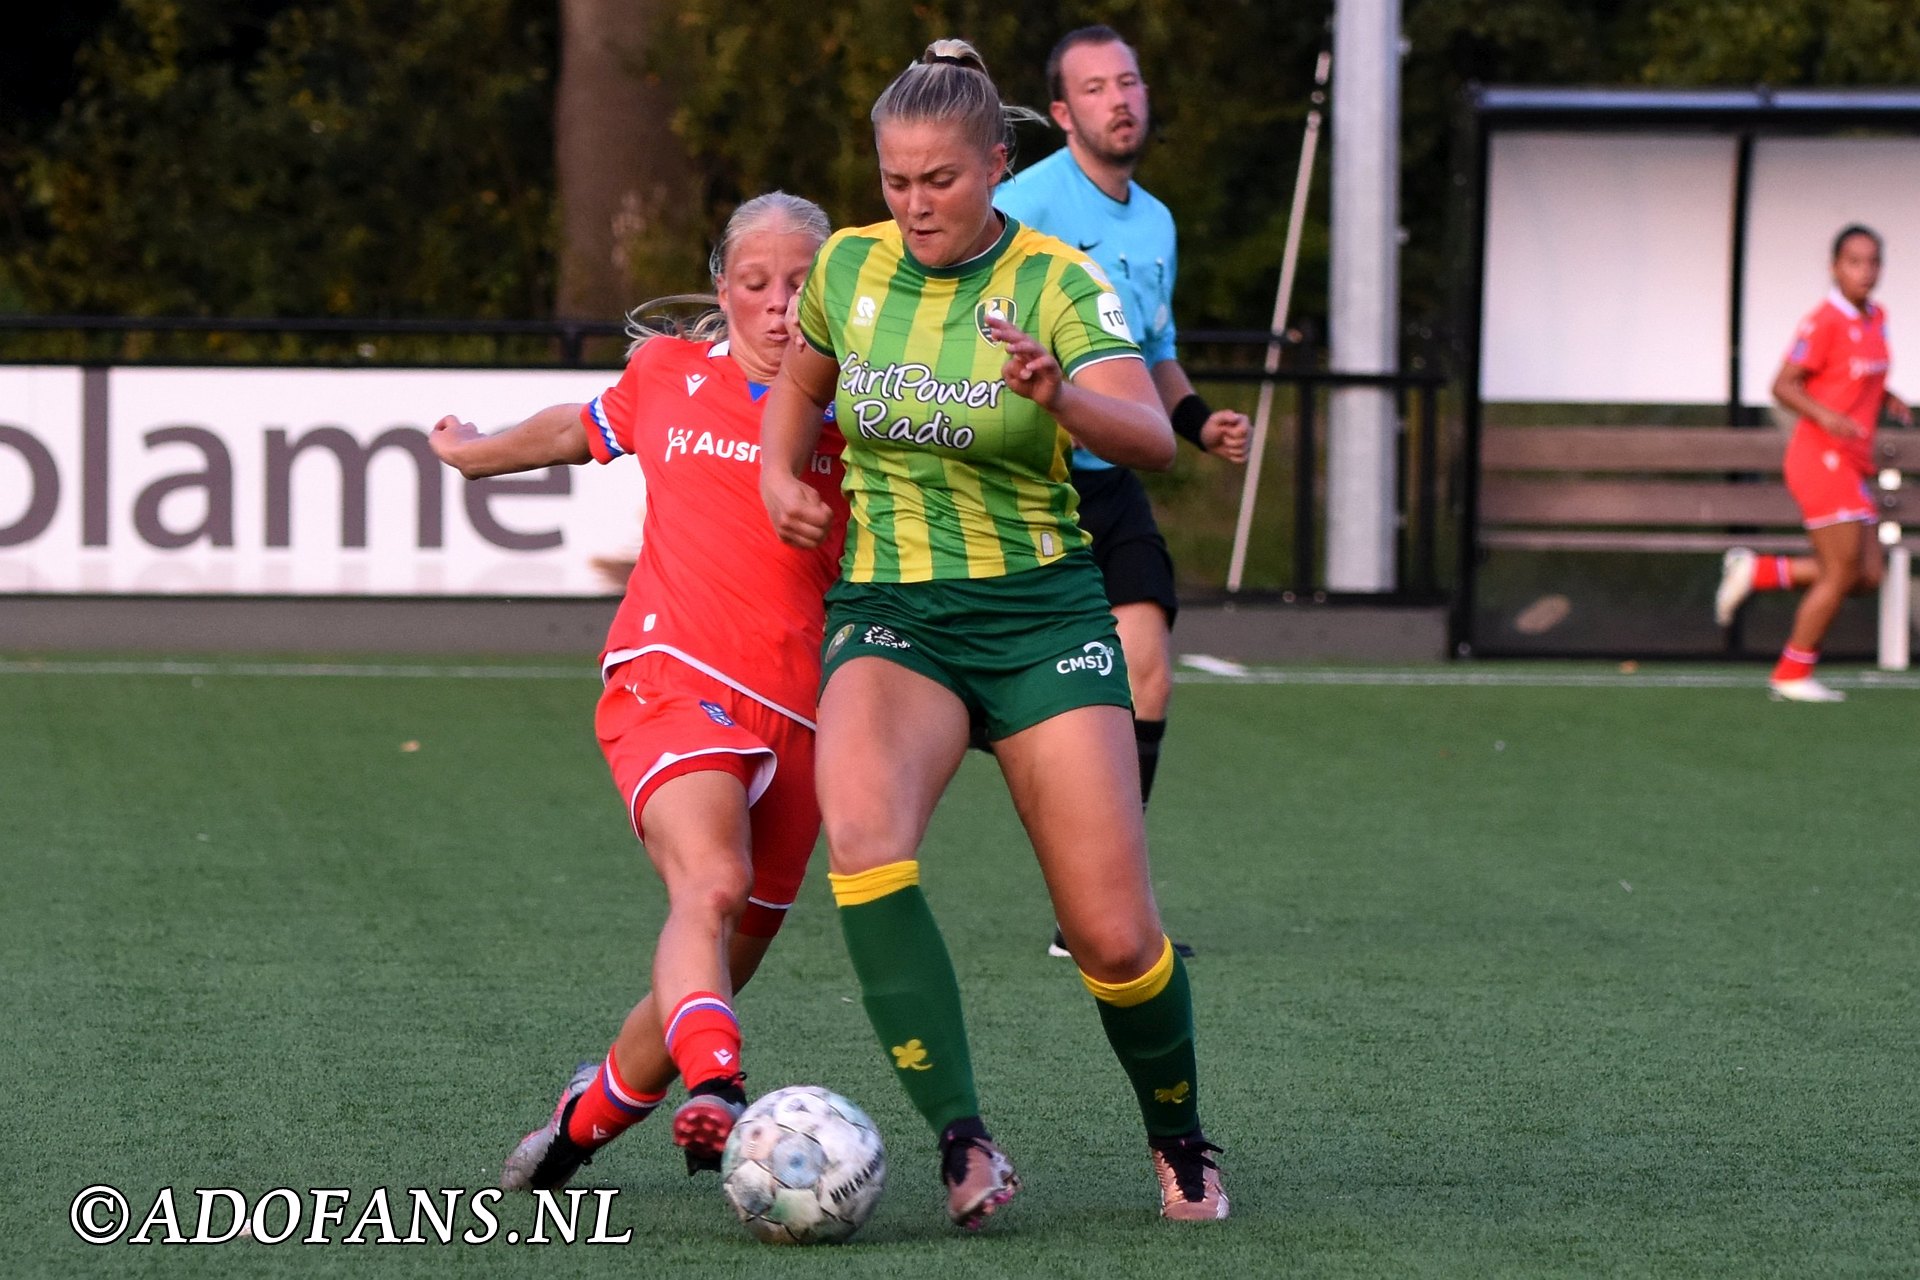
1282 303
1896 589
1363 294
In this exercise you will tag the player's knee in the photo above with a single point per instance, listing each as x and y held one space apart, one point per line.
1870 576
1116 951
862 838
717 893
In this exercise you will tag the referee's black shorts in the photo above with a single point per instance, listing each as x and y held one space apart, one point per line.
1127 545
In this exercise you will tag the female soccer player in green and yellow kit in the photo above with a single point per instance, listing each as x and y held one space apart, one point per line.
964 354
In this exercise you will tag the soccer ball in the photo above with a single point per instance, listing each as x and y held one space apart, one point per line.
803 1166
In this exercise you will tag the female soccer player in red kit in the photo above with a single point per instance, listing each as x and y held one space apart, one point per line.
1835 378
710 673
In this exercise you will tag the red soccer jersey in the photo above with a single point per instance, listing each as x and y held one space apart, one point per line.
1844 352
714 586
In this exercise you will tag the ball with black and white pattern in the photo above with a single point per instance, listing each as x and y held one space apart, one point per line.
803 1166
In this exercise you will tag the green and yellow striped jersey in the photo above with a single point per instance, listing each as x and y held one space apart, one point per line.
949 474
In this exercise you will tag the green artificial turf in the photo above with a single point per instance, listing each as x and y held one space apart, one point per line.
1491 981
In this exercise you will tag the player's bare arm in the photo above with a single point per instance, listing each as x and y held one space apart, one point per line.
1224 433
551 437
1111 407
1790 392
789 430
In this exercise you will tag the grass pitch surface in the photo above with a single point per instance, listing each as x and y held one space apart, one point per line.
1503 980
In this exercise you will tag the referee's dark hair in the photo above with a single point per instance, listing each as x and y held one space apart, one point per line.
1101 34
1853 229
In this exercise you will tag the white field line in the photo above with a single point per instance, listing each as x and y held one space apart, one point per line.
1437 677
1213 666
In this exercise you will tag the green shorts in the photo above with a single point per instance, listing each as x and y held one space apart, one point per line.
1016 649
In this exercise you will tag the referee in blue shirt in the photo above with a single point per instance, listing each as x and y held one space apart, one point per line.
1085 194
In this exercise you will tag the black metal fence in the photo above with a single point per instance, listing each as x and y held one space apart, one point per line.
1289 533
1296 447
347 342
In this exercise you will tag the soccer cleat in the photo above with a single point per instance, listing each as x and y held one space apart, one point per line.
706 1118
1805 689
1736 584
547 1159
979 1178
1189 1179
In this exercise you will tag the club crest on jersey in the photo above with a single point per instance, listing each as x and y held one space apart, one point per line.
995 308
717 714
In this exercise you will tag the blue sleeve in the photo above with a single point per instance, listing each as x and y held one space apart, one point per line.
1021 201
1157 347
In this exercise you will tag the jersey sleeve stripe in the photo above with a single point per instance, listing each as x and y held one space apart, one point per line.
1098 357
605 428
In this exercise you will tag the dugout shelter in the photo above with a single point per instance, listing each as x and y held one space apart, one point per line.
1636 262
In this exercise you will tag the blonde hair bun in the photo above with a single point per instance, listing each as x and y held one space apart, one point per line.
956 52
950 85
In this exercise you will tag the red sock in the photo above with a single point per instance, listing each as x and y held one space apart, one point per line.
608 1108
1772 573
704 1038
1795 664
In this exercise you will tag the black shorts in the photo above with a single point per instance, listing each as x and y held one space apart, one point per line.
1127 545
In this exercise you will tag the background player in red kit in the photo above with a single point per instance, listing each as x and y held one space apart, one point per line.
710 673
1835 379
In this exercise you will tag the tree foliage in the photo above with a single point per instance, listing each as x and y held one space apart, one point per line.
781 98
1784 42
385 158
345 157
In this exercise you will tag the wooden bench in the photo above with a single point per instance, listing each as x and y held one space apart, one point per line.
1676 489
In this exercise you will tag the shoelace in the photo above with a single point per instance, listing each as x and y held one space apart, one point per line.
1189 1161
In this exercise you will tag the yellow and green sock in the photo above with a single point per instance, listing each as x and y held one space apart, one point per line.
909 989
1149 1023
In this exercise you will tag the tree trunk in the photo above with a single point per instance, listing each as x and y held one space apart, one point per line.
623 178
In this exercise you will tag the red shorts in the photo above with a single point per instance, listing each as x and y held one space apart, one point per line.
659 718
1826 484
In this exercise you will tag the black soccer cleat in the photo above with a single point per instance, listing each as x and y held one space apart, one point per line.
547 1158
